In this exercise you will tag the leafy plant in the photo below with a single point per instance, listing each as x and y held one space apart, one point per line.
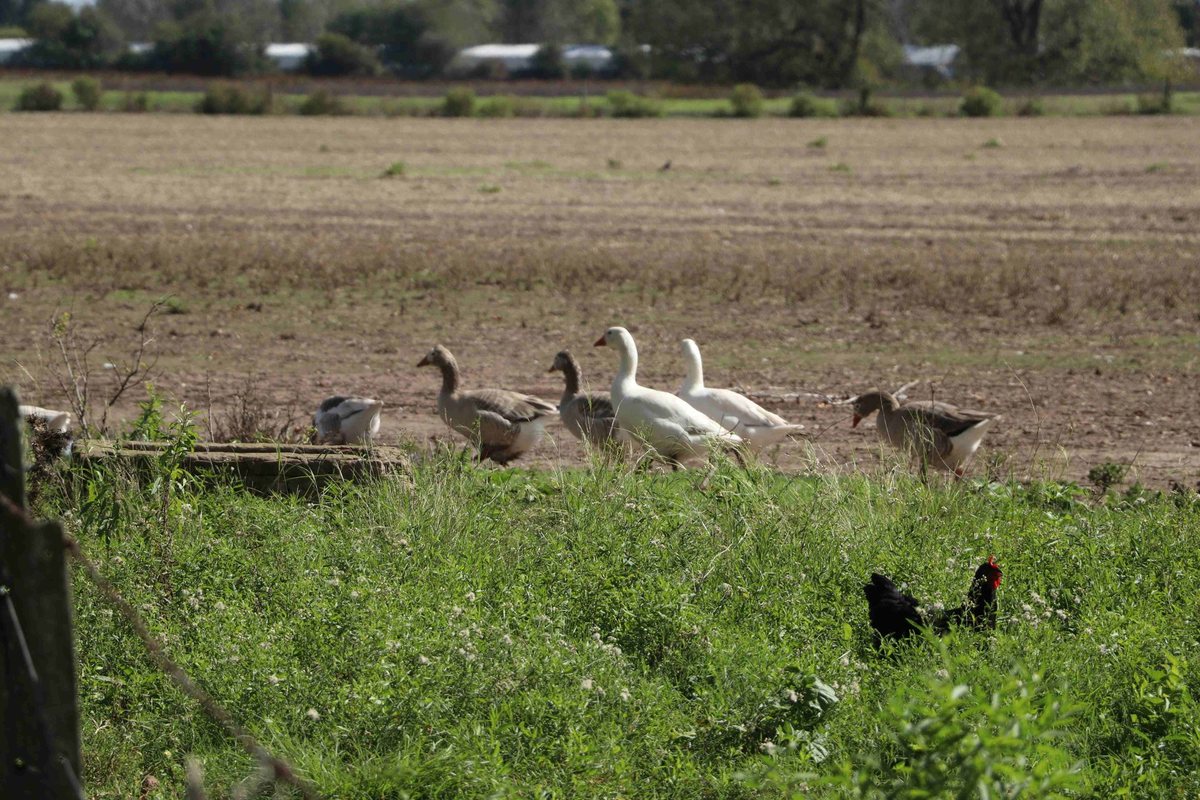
746 101
1106 475
322 103
39 97
459 102
233 98
622 103
980 101
806 104
87 92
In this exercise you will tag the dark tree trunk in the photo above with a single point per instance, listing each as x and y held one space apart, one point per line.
1024 18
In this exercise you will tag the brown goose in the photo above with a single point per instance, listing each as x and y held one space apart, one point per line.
939 434
588 416
504 424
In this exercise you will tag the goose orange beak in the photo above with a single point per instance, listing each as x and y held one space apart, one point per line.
600 342
857 419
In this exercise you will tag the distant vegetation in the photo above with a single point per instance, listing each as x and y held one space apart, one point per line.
817 43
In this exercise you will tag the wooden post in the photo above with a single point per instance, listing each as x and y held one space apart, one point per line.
39 716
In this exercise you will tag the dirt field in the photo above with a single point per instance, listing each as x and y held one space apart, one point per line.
1044 269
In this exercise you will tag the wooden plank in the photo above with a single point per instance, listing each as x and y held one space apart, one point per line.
260 467
39 751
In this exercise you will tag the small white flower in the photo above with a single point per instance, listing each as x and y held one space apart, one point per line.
769 747
726 589
354 595
313 714
470 597
586 684
423 660
273 680
625 695
219 606
506 640
793 697
943 674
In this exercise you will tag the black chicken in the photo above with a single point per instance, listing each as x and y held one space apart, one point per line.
894 614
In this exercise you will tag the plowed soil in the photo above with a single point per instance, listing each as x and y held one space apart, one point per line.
1043 269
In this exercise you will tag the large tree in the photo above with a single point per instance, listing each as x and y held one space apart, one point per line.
560 21
1059 41
771 42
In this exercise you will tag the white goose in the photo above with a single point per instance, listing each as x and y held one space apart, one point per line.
664 422
347 420
732 411
56 421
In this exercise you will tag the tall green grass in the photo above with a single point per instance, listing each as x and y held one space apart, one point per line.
465 632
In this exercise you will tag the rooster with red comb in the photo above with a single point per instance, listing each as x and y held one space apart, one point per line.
895 615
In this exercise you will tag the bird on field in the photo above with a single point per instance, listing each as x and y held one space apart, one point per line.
895 615
665 423
937 434
50 432
347 420
589 416
502 424
665 166
732 411
57 421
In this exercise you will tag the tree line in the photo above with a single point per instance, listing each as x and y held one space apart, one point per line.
775 43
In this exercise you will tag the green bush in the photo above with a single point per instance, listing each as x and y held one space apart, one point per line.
230 98
806 104
39 97
747 101
1031 108
135 102
322 103
497 106
1150 104
87 92
864 106
622 103
459 102
980 101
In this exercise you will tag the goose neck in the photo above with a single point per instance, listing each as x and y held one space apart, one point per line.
450 378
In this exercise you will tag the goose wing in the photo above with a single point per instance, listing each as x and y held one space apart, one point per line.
511 406
943 418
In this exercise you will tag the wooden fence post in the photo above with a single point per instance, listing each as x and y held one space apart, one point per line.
39 716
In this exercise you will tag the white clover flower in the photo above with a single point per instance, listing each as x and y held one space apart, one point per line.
219 606
586 684
768 747
273 680
726 589
470 597
506 640
625 695
423 660
793 697
313 714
